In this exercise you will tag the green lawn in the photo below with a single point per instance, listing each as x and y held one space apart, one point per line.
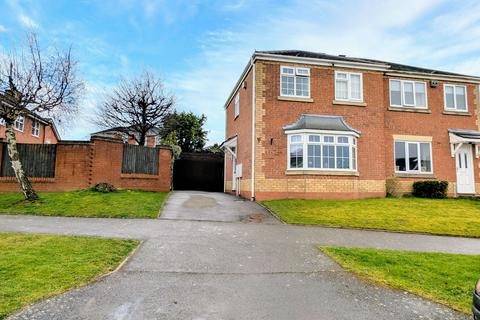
457 217
446 278
87 203
33 267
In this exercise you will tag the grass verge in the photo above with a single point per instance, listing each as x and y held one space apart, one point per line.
34 267
87 203
455 217
445 278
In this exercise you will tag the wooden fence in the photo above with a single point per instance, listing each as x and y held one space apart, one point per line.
140 159
38 160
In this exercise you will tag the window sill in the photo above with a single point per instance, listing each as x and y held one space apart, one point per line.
457 113
415 175
409 109
235 118
299 99
349 103
291 172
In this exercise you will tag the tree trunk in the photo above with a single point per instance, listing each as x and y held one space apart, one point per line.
22 179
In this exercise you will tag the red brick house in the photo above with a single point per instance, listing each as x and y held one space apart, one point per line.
311 125
32 129
152 139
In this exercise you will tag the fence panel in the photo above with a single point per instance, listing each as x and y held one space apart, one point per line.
38 160
140 159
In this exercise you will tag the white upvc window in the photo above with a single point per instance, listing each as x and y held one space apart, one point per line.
320 150
2 122
407 93
348 86
237 105
413 157
19 124
294 82
455 97
35 128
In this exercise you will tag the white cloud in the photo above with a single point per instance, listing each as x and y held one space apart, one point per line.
27 22
3 29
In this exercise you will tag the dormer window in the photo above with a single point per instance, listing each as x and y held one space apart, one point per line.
295 82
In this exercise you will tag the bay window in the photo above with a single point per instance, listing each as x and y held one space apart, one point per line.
406 93
348 86
413 157
455 97
295 82
322 151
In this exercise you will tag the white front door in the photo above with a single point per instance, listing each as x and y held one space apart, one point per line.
464 164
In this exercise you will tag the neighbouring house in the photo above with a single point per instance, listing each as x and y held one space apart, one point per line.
152 139
312 125
32 128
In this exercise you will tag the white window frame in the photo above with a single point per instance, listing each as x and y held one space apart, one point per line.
2 122
295 75
454 86
349 87
35 128
352 144
237 105
402 94
407 164
18 121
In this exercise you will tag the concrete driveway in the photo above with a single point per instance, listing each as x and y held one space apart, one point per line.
214 206
217 270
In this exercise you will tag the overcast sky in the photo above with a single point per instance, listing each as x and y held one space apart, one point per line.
199 48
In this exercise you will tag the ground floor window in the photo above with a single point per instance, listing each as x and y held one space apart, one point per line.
413 157
322 151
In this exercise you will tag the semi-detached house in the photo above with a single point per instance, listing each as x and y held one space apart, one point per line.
311 125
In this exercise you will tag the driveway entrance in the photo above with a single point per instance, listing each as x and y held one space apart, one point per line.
214 206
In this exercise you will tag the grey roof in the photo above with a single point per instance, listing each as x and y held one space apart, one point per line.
391 65
320 122
466 134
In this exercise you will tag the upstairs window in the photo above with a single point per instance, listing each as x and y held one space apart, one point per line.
2 122
348 86
405 93
312 151
35 128
19 123
237 105
413 157
455 98
295 82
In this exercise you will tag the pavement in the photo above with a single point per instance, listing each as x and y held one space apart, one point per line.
240 269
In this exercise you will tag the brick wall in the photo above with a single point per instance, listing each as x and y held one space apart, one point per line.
377 123
81 165
242 127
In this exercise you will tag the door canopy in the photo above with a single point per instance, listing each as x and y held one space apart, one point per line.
459 137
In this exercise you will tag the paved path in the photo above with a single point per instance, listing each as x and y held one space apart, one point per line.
217 270
211 206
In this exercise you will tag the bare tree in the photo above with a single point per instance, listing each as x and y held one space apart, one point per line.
35 81
136 106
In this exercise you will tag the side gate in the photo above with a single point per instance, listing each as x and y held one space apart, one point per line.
198 171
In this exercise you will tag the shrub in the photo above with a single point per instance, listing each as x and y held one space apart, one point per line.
392 187
104 187
430 189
